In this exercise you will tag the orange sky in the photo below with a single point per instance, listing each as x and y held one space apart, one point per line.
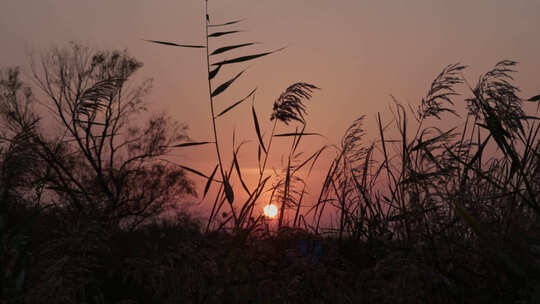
358 52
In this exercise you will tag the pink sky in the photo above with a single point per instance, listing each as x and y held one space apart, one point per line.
358 52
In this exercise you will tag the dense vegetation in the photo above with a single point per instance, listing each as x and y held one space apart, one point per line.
92 210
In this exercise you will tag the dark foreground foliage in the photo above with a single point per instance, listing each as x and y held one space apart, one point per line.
173 262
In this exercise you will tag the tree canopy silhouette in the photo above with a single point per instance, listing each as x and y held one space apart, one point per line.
96 163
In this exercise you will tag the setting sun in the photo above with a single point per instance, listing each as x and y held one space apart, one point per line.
270 210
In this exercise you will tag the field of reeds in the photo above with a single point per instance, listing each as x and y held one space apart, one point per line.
424 214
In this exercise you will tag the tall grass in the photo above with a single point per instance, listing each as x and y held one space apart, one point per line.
288 107
473 182
467 193
424 213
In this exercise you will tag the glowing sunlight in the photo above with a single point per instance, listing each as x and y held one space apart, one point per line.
270 210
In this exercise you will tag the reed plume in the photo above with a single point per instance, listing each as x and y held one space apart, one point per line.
289 105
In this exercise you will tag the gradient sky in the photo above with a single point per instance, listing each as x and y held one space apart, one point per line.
358 52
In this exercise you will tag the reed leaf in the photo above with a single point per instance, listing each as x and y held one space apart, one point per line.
296 139
209 181
245 58
193 171
175 44
236 103
258 129
259 158
214 72
237 167
535 99
296 134
192 144
424 144
226 23
526 117
225 85
219 34
229 193
313 157
230 47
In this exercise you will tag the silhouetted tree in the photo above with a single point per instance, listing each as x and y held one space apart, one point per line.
18 121
96 163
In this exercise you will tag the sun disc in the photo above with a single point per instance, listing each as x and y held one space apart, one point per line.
270 210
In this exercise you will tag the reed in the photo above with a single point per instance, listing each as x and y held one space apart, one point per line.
477 180
288 107
423 213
